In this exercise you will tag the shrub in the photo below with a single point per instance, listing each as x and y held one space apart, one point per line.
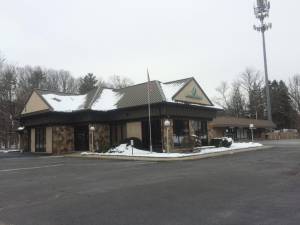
221 142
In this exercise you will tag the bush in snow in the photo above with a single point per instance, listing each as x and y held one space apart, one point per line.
222 142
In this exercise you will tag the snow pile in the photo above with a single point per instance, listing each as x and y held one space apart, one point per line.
107 101
65 103
124 150
9 150
171 89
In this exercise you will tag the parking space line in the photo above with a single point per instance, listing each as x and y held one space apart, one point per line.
31 168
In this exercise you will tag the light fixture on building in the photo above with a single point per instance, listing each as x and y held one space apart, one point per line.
92 129
21 128
20 131
167 123
252 127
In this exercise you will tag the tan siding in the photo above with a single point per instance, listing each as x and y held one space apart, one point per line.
134 129
35 103
49 139
32 140
186 95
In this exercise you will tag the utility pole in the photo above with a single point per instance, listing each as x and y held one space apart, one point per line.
261 11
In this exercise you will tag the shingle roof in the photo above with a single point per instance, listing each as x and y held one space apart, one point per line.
105 99
137 95
226 121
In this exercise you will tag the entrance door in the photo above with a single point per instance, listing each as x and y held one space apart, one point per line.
81 136
40 139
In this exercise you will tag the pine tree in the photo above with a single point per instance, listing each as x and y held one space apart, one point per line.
87 83
283 113
237 101
256 104
37 78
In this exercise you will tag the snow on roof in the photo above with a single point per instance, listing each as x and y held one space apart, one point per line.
170 89
107 101
65 103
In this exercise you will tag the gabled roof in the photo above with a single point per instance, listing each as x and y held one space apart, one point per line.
172 88
106 99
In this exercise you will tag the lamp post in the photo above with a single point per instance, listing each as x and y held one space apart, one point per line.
92 129
20 130
167 125
261 11
251 127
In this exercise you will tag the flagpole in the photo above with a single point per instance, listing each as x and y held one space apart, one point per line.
149 113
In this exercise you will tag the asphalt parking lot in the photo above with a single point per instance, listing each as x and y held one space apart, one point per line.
257 188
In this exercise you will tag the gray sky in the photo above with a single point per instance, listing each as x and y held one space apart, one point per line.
210 40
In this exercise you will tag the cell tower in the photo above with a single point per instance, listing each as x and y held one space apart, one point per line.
261 11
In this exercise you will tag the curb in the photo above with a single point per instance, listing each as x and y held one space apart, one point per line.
164 159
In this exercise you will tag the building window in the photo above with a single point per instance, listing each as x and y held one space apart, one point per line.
156 134
200 129
40 139
117 133
181 133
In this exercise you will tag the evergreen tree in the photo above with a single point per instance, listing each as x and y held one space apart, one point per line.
283 113
256 105
237 101
87 83
37 78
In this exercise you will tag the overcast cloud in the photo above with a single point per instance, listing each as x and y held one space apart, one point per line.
210 40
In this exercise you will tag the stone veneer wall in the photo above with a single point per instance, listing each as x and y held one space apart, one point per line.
170 134
101 137
62 139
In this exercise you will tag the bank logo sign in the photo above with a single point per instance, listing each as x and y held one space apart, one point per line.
194 94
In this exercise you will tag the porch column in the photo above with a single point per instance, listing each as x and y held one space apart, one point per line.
32 140
49 140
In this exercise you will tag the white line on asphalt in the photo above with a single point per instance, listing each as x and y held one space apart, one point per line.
31 168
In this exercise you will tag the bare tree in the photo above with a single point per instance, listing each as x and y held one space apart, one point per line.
68 83
7 103
222 98
52 80
2 60
252 83
249 79
117 81
294 90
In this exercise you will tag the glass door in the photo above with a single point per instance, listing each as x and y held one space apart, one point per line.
40 139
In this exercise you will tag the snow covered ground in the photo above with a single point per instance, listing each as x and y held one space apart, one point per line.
123 150
8 150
